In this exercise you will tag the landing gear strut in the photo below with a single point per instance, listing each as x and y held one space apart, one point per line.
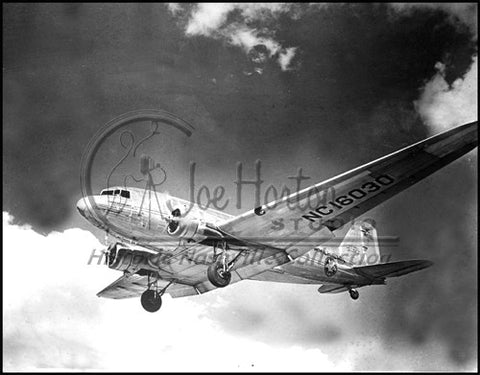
354 294
151 299
218 272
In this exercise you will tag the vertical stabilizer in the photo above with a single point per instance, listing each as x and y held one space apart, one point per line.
360 245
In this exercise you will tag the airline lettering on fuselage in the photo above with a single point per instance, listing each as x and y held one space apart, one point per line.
353 195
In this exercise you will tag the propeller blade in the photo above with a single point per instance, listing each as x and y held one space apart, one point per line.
108 252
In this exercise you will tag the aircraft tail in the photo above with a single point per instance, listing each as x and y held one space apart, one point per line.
377 273
360 245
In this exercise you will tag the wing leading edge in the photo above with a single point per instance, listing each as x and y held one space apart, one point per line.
353 193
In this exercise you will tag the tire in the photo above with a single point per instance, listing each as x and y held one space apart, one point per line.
217 276
151 300
354 294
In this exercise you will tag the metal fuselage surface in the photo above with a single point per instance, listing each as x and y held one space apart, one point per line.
142 217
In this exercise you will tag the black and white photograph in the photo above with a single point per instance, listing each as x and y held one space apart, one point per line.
240 187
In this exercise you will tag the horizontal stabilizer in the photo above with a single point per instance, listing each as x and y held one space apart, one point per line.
393 269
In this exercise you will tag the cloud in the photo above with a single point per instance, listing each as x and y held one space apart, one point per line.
174 8
46 308
212 20
53 320
442 106
286 57
249 24
207 18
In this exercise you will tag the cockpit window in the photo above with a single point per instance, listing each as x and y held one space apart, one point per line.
122 193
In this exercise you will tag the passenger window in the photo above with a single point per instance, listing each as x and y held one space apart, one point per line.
125 194
107 192
117 192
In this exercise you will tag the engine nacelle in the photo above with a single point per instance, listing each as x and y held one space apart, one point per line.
122 259
192 229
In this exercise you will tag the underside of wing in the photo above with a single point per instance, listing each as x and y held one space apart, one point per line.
134 285
192 263
188 264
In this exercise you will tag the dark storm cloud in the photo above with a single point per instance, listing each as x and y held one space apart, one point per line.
443 302
70 68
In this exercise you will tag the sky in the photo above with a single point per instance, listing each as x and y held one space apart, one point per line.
320 87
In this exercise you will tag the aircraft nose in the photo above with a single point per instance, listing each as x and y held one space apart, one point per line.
82 205
86 205
90 207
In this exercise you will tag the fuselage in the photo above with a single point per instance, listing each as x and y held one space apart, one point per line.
141 216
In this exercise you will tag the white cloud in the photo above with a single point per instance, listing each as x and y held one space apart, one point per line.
210 19
248 38
441 106
53 320
260 10
286 57
174 8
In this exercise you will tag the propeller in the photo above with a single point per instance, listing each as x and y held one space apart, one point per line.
110 253
173 220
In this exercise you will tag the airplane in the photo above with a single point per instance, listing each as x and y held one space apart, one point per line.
179 248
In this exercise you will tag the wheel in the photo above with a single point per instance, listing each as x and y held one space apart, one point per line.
151 300
217 276
354 293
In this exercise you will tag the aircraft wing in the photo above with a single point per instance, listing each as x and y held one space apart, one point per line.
134 285
331 204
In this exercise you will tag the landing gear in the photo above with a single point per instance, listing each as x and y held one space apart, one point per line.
151 300
218 275
218 272
354 294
